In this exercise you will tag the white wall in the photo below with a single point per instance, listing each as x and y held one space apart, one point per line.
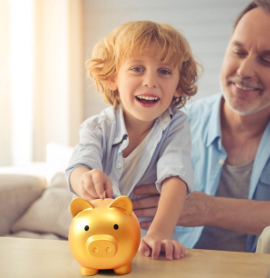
205 23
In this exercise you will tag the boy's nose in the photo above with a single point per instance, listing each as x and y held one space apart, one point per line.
150 80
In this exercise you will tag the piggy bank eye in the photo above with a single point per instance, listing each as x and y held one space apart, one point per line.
115 226
86 228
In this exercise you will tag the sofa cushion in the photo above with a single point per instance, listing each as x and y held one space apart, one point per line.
17 193
27 234
50 213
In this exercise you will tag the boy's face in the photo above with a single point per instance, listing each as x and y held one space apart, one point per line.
146 86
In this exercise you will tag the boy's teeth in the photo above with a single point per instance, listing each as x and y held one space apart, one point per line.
147 97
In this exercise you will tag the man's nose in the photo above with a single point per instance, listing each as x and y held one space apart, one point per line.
150 79
247 67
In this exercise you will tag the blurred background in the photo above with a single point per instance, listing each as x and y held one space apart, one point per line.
44 90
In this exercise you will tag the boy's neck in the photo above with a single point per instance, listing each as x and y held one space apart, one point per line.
137 131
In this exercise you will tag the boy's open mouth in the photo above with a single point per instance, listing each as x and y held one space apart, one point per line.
147 99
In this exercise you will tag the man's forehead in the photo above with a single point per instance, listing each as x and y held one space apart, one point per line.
253 26
256 19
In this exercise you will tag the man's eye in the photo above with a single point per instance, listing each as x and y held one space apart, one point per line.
266 61
239 53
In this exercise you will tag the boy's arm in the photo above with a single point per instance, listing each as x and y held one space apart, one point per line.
173 195
90 183
75 177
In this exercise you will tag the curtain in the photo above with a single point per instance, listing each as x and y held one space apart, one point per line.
42 73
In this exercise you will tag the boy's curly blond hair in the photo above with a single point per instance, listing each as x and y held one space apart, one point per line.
136 38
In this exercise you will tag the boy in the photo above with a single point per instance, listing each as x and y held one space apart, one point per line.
144 70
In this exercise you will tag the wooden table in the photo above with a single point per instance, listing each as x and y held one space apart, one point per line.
35 258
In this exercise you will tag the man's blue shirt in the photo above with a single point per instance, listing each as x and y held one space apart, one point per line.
208 157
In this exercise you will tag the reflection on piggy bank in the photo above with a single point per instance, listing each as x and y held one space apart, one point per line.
104 234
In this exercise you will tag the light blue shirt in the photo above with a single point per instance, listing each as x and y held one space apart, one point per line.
166 153
208 156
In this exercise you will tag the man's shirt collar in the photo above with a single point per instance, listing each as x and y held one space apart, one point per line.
214 127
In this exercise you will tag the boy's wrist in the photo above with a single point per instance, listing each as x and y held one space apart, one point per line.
158 234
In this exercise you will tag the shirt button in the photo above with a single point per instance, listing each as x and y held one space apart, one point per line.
221 162
116 191
125 141
118 165
116 140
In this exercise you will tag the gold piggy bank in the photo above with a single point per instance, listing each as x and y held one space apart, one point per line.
104 234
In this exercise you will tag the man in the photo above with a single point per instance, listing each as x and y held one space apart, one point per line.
231 147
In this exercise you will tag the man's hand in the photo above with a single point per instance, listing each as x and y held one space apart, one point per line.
146 207
200 209
194 213
196 210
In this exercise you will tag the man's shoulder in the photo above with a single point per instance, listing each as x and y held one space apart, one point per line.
200 115
202 107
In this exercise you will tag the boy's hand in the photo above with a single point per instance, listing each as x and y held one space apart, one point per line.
153 245
93 185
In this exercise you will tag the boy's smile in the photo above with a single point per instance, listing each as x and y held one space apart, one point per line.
147 100
146 86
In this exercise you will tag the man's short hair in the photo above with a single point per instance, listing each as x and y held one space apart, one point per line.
263 4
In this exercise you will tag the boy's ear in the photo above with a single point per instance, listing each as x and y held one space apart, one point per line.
112 83
178 92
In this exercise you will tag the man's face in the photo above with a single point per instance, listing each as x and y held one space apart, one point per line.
245 72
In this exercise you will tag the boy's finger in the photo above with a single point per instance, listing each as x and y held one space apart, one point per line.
99 187
88 187
177 251
156 248
183 251
108 188
168 246
144 249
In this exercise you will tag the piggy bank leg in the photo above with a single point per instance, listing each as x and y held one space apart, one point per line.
88 271
123 270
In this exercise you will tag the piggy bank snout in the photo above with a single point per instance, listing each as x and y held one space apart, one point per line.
102 246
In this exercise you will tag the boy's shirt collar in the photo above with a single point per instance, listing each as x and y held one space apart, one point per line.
120 131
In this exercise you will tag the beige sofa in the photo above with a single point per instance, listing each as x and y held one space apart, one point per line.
32 207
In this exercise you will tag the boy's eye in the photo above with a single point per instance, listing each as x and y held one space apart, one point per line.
164 71
137 69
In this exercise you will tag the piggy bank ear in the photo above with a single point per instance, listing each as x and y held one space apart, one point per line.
77 205
122 202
